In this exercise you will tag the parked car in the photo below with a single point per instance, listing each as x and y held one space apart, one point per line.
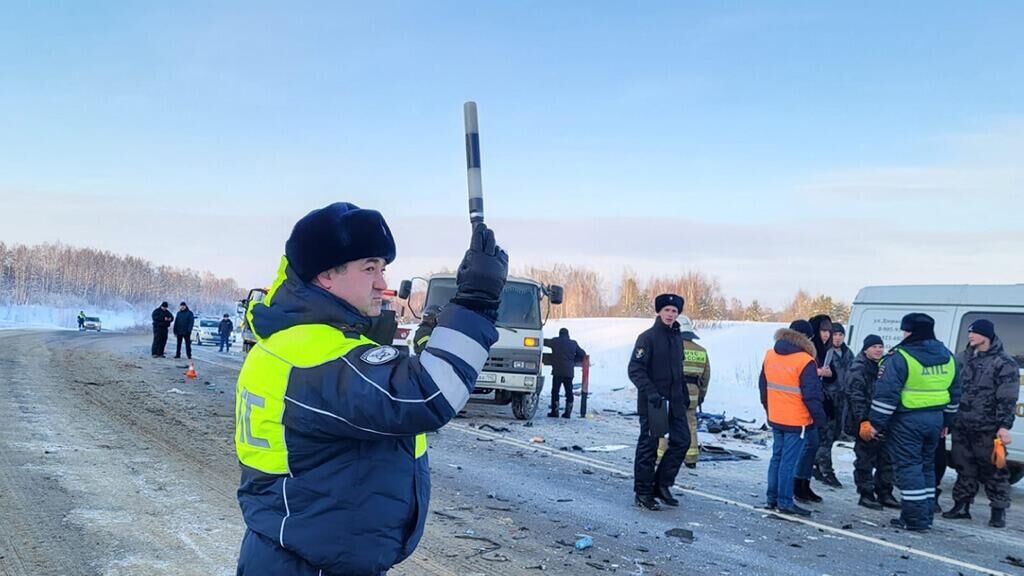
207 331
92 323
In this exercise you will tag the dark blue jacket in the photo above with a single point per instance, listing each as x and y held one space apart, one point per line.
565 354
225 327
355 496
810 384
892 375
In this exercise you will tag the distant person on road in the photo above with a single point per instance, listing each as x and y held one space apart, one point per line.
916 398
656 369
565 355
81 320
183 323
793 398
991 381
697 376
872 469
330 432
224 330
162 319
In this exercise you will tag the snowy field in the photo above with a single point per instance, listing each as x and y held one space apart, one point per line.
49 317
735 350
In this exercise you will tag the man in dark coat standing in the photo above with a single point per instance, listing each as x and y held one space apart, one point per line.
565 354
183 330
162 318
872 469
991 381
838 357
656 369
224 330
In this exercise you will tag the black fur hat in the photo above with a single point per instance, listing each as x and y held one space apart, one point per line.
668 300
336 234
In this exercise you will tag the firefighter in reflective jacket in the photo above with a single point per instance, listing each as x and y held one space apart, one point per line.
329 424
696 375
916 398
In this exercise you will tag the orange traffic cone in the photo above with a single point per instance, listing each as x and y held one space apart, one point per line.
191 374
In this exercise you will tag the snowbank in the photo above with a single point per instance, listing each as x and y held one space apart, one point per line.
735 350
51 317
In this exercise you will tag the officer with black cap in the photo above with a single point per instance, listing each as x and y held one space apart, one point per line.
915 400
330 425
656 369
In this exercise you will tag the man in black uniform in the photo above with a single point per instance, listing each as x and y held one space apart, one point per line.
183 324
565 354
872 470
162 318
656 369
991 380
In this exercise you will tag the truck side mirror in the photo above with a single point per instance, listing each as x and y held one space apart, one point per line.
555 294
405 289
241 308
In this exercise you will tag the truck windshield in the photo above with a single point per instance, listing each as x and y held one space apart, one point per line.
209 323
520 302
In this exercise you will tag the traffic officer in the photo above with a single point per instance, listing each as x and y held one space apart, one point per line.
697 375
329 424
656 369
916 397
990 380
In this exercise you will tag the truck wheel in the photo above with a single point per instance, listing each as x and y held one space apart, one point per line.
524 404
1016 471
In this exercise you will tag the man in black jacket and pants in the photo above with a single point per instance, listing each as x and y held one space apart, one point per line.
565 354
656 369
872 469
162 318
183 330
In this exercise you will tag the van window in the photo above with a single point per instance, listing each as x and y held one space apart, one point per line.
1009 329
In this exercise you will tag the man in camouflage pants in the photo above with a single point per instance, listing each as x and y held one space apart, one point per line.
990 380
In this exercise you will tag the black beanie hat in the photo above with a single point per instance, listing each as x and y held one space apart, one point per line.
871 340
164 304
563 331
984 328
837 328
183 304
803 327
334 235
668 300
917 322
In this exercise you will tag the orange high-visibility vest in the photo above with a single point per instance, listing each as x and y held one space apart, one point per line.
785 401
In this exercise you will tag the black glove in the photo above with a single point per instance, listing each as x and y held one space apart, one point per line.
656 400
426 328
482 273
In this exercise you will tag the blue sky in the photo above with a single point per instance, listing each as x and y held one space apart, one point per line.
776 146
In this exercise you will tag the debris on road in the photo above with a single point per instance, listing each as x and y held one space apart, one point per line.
177 391
498 429
584 542
606 448
537 439
681 533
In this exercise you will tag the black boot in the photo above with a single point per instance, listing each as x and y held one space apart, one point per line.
802 491
959 511
868 500
899 523
816 474
831 480
568 411
554 412
647 501
662 493
998 519
888 501
795 510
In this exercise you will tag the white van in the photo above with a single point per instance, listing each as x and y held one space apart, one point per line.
879 309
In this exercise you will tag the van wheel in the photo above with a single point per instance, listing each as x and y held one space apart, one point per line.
1016 471
524 404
